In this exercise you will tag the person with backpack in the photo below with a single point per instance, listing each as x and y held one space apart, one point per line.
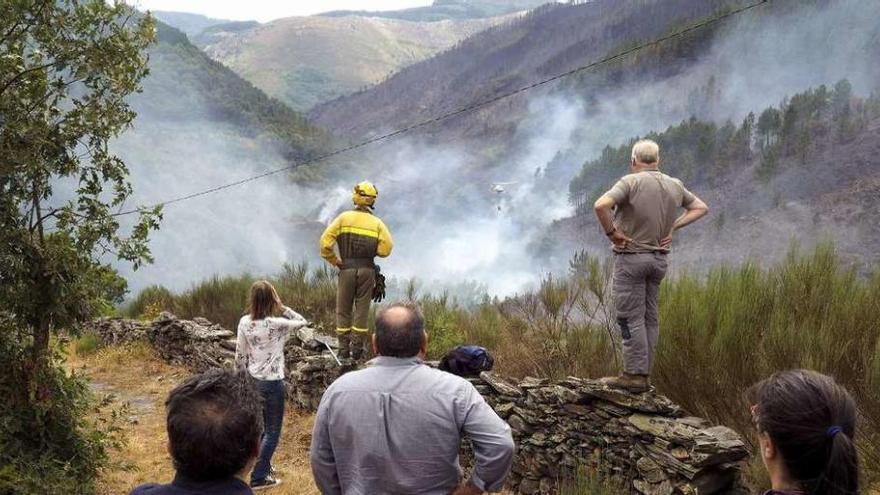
806 425
360 236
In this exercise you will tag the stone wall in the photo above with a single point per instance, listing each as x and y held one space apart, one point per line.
643 441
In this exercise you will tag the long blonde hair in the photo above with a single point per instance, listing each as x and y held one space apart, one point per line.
263 300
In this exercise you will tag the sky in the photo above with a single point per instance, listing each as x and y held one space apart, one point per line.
267 10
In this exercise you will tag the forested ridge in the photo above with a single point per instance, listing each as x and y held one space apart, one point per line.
703 152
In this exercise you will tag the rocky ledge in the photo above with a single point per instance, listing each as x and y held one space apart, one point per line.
564 429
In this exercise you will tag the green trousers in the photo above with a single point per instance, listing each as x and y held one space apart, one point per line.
354 291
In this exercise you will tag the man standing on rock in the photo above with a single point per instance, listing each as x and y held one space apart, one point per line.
359 236
396 426
647 205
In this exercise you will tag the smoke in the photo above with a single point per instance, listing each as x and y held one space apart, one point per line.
250 228
448 224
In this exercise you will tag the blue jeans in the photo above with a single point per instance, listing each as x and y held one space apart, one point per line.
272 392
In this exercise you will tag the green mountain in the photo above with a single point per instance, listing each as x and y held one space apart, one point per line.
191 24
442 10
304 61
185 85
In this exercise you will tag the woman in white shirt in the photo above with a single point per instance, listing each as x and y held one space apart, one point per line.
260 351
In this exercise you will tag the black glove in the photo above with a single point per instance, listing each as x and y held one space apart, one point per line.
379 288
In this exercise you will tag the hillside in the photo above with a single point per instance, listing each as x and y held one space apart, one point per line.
200 125
442 10
190 24
185 85
539 140
303 61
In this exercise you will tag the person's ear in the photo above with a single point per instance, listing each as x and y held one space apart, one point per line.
255 452
423 348
373 343
768 447
632 163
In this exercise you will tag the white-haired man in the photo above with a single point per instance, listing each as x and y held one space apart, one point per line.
647 204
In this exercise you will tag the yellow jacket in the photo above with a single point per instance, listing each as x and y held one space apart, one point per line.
358 234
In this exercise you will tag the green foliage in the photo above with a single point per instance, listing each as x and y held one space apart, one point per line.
86 344
223 299
67 68
48 441
738 325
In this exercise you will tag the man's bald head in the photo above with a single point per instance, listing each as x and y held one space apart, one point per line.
400 330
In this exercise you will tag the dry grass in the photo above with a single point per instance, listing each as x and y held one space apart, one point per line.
140 381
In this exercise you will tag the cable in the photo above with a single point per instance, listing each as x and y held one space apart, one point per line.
466 109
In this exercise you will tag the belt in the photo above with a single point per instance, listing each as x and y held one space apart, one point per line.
358 263
656 251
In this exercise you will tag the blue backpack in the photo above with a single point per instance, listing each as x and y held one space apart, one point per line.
467 360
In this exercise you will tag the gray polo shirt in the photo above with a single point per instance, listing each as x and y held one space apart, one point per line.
396 427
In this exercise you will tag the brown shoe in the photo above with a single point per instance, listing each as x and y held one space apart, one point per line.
636 384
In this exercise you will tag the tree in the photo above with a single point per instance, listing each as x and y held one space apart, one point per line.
66 68
768 126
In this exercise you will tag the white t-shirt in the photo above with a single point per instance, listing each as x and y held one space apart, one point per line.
260 344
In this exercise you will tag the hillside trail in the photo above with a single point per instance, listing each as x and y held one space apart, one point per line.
138 382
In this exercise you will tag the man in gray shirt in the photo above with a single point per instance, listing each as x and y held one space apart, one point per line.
648 203
396 426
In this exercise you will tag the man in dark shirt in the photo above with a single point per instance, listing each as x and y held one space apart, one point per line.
214 425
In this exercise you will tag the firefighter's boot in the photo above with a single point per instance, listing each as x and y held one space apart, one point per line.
344 345
359 345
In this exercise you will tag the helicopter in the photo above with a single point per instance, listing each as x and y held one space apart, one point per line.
499 190
498 187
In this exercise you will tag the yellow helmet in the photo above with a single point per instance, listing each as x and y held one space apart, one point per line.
364 194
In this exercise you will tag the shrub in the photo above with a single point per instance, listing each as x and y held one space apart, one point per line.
86 344
48 443
720 332
149 303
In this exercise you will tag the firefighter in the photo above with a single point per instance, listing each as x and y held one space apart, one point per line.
359 236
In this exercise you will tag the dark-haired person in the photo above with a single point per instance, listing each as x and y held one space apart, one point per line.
214 425
806 424
396 426
260 351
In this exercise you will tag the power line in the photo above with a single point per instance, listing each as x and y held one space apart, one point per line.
466 109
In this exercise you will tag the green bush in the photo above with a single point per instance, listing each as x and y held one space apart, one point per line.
222 300
723 332
720 332
86 344
149 302
49 442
